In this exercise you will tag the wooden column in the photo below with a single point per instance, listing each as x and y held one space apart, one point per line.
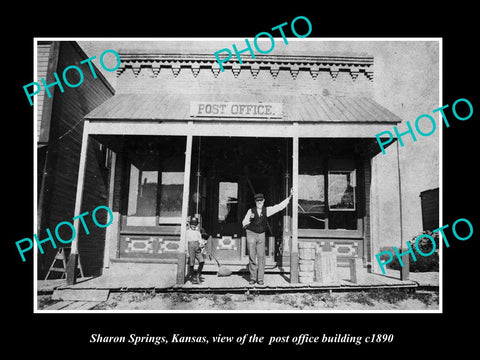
294 244
110 234
73 259
367 245
405 270
183 229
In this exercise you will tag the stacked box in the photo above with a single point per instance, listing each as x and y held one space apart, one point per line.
306 262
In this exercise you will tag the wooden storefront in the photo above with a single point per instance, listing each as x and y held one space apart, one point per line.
187 139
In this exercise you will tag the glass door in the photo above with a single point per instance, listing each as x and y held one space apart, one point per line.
227 224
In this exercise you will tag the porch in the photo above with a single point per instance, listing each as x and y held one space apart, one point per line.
164 280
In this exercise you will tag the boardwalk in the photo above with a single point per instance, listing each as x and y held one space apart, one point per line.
237 282
90 292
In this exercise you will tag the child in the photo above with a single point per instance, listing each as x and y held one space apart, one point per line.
195 251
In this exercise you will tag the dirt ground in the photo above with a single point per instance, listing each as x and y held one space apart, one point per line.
381 299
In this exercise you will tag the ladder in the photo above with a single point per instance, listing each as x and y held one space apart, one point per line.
62 256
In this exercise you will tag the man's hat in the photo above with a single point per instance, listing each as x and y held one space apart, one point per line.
258 196
194 221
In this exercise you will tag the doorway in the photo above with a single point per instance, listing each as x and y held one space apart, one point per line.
226 172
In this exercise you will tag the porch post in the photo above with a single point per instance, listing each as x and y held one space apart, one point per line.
405 270
183 229
374 215
110 233
73 259
294 245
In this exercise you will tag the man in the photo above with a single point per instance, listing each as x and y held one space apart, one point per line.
255 223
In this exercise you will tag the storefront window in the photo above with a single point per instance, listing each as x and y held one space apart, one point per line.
142 197
311 201
171 194
342 200
155 181
341 190
327 198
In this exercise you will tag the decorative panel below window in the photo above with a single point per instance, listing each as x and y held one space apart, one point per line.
148 246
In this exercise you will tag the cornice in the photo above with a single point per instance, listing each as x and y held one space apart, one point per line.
332 64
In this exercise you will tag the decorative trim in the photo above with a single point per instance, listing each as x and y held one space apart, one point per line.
274 69
354 65
175 68
236 69
136 69
254 70
155 68
294 70
146 245
354 73
195 69
334 72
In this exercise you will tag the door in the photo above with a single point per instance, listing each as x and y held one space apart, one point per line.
232 197
226 243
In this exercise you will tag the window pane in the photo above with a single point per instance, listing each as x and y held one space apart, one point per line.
311 194
133 191
311 201
147 197
142 197
171 195
142 194
311 221
341 190
342 220
227 202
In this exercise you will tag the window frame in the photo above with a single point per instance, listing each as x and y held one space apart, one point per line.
160 163
354 172
327 168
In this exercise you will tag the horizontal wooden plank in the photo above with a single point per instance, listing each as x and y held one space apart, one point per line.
58 305
81 305
80 294
77 305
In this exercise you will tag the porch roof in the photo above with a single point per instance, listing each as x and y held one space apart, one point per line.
310 108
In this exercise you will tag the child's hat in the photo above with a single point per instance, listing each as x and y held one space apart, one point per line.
194 221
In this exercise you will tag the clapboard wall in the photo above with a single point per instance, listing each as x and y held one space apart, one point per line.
60 174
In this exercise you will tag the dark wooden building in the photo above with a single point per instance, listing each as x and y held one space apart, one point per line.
60 122
430 209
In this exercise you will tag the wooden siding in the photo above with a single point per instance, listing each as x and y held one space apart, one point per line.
43 53
47 59
68 111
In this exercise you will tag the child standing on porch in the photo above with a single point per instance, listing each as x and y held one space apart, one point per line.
195 251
